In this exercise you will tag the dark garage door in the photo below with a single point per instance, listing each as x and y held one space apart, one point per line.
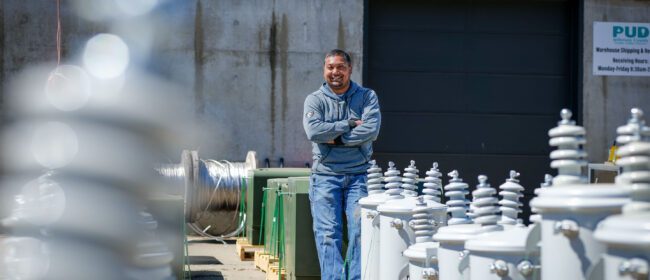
473 85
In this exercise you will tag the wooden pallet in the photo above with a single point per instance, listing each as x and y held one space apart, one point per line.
272 273
245 250
263 260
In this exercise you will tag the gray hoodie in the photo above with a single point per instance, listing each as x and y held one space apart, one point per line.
326 117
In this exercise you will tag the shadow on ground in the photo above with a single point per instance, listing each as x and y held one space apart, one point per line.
205 275
203 260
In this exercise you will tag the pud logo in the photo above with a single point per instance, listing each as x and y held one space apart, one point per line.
630 34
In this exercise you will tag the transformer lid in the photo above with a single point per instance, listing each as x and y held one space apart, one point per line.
629 230
401 205
462 233
581 198
423 251
514 239
373 200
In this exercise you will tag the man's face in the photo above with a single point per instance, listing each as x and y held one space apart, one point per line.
337 73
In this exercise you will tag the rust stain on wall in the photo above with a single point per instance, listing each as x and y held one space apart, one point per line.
340 38
199 77
273 50
284 65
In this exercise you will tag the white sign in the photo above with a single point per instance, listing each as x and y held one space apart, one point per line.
621 49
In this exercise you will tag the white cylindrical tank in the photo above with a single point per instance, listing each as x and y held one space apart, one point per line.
570 214
428 216
370 223
509 254
453 260
395 235
627 238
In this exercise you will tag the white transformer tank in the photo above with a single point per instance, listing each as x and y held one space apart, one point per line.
453 260
395 236
569 217
428 216
370 223
510 254
571 209
628 246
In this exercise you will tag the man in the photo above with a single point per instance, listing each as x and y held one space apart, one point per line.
342 119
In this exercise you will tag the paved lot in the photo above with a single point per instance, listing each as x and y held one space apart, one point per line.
215 261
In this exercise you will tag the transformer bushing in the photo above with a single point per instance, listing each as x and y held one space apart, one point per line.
456 190
453 259
508 254
423 262
571 209
409 180
428 216
393 182
395 234
370 223
432 184
510 205
634 162
548 180
627 236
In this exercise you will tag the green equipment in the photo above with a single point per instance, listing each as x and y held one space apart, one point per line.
300 255
256 182
270 223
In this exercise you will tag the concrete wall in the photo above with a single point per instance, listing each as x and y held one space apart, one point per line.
247 65
607 100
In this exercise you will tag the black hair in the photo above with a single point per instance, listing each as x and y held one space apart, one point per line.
341 53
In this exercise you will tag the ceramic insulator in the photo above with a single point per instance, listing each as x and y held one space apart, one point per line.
485 203
422 222
510 205
409 180
393 180
375 179
432 184
569 158
635 154
456 191
634 130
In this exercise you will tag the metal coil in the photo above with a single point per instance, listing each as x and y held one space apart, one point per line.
409 180
375 179
432 184
393 181
456 191
212 190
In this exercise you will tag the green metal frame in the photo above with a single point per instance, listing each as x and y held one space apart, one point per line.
300 255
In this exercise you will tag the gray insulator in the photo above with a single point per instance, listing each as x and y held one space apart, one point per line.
393 181
456 191
409 180
485 203
510 205
569 158
432 184
422 222
375 179
634 130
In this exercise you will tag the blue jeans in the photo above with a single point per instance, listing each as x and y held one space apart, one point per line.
330 195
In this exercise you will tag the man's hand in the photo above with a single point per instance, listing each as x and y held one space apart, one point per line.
358 122
354 123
